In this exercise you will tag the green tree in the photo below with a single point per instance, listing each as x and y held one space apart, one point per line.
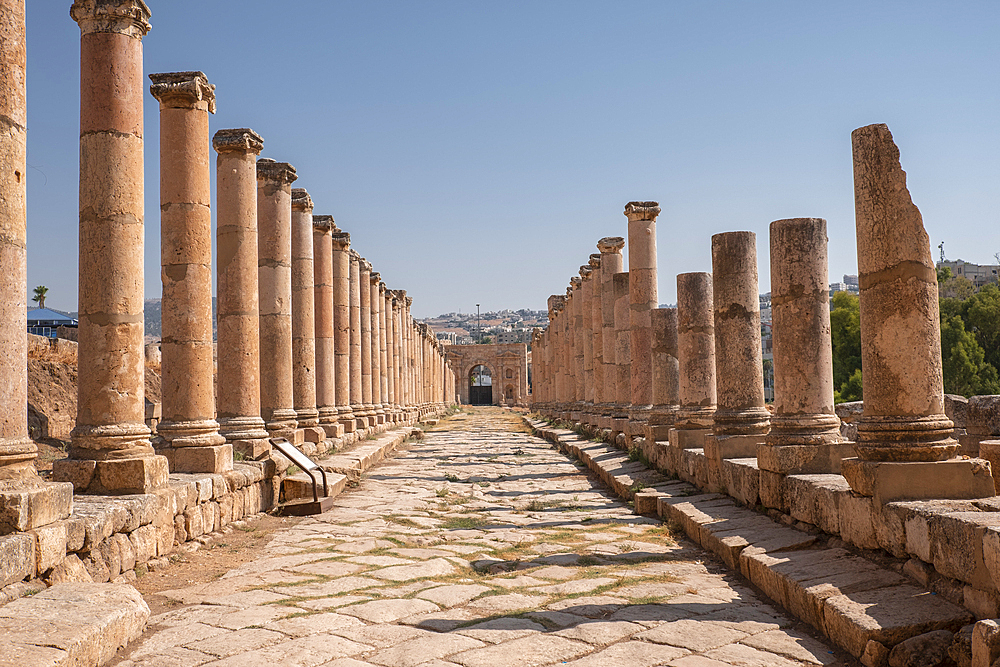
981 313
845 330
850 390
966 371
39 297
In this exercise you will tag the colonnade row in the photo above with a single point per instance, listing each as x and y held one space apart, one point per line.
615 364
311 343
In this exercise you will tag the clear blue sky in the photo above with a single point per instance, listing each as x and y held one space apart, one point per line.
477 151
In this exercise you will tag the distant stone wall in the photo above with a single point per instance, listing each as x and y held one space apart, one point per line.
508 366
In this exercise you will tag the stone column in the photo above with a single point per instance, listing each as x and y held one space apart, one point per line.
383 345
110 451
326 356
695 361
555 304
642 300
597 335
587 338
188 427
389 316
274 278
569 356
376 298
304 318
666 379
579 356
410 358
611 264
741 421
26 502
343 267
365 287
805 431
238 337
397 356
905 449
357 404
623 355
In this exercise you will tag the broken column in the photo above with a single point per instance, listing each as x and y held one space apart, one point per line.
188 427
695 361
805 431
666 379
238 337
611 264
326 355
26 502
642 300
304 318
274 277
623 356
905 449
342 345
741 421
110 450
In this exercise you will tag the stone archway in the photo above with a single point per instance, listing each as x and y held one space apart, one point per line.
481 384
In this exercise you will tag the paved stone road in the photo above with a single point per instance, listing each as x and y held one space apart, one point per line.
479 546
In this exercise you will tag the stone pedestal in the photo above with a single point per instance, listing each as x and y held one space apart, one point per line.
904 426
695 361
238 375
611 264
741 421
274 276
26 502
303 314
110 451
342 336
805 431
326 356
188 428
642 300
666 387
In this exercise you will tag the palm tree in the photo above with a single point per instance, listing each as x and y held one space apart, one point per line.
39 297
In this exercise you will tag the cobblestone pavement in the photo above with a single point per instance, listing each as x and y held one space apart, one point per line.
478 546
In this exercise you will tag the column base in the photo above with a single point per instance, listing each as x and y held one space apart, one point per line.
719 447
29 505
990 450
688 438
819 459
348 424
283 424
255 449
657 432
313 434
234 429
333 430
307 417
952 479
142 474
211 459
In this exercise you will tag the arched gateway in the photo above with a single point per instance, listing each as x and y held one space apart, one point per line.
504 367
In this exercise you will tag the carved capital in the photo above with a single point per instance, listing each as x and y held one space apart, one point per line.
586 272
642 210
409 301
341 240
125 17
280 173
576 282
324 223
382 289
182 90
611 244
355 257
375 278
238 140
595 261
365 266
301 201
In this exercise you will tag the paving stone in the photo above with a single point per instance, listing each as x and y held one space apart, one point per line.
385 611
449 596
791 644
502 629
573 587
747 656
436 567
381 635
630 653
328 568
555 572
302 652
693 635
501 604
527 651
424 649
332 587
601 632
239 641
303 626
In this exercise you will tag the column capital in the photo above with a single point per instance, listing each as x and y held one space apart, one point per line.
595 261
409 301
575 282
585 273
125 17
301 201
376 278
365 264
342 240
611 244
324 223
642 210
183 90
382 289
355 257
280 173
238 140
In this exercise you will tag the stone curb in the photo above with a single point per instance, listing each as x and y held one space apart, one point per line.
863 608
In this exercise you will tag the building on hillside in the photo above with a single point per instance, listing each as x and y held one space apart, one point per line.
46 322
490 374
977 274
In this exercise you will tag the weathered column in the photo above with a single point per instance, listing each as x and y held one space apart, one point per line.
326 355
304 318
553 358
666 381
342 336
904 447
805 430
389 316
623 355
238 337
26 502
741 421
383 344
274 278
411 386
695 361
397 357
587 337
188 427
569 356
642 300
357 404
365 286
110 450
376 298
579 372
611 264
597 334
